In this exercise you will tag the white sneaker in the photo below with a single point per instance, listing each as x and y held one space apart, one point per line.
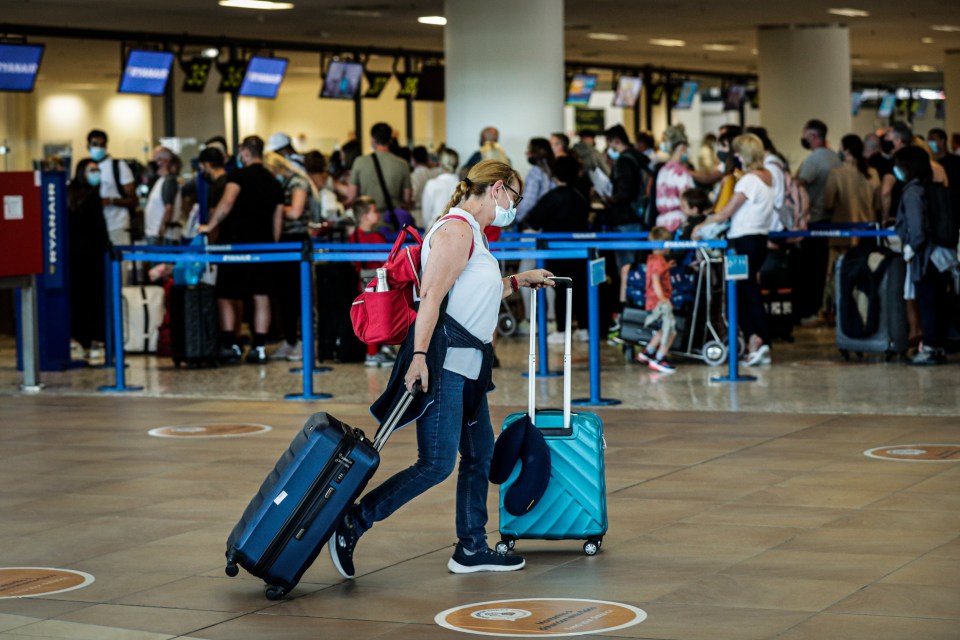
758 357
287 351
379 360
557 337
582 335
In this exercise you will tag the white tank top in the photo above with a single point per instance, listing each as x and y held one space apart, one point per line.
474 298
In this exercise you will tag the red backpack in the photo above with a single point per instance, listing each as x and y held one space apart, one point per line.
385 317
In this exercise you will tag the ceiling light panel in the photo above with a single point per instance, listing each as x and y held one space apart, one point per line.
667 42
262 5
609 37
849 13
434 20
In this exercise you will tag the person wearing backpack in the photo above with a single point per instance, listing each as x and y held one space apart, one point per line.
447 352
927 228
117 188
622 212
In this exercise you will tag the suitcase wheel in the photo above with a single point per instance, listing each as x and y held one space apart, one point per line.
505 545
232 569
591 547
274 593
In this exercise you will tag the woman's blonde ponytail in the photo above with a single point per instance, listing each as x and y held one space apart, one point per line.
458 196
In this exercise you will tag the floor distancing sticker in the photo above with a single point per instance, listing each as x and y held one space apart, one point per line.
916 453
540 617
208 430
26 582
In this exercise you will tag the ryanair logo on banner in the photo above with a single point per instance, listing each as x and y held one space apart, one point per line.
53 190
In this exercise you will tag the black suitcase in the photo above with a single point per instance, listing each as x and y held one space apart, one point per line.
776 291
633 331
193 325
301 502
337 286
889 315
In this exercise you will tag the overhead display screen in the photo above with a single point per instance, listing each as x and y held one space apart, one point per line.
342 80
886 106
628 91
687 93
19 64
146 72
263 77
581 88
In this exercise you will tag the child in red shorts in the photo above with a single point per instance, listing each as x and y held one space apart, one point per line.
659 292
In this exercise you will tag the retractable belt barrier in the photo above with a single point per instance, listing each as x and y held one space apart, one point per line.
306 254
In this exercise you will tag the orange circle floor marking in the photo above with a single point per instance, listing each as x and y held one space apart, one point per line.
26 582
208 430
540 617
916 453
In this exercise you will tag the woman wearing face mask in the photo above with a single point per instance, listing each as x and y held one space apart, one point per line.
448 353
299 194
540 178
750 212
911 166
88 243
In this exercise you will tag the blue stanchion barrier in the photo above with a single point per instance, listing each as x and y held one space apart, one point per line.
579 235
641 244
263 247
733 359
835 233
116 292
217 258
306 330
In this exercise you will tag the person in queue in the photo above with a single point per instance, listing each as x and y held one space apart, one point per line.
250 211
912 167
750 212
448 354
88 241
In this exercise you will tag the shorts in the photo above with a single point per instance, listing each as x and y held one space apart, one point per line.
237 281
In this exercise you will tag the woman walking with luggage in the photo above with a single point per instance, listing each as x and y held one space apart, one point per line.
449 354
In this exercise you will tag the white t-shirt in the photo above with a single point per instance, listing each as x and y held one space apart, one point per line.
436 194
754 215
116 217
474 298
774 165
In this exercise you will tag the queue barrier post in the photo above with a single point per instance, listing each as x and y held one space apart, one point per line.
733 374
596 398
116 295
306 327
108 346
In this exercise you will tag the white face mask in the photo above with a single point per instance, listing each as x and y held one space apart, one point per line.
504 217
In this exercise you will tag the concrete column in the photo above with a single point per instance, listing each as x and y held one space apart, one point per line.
804 73
504 68
951 87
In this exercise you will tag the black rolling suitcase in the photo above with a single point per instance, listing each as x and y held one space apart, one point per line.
777 294
304 498
871 312
193 325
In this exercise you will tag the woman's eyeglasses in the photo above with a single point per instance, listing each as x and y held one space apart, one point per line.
514 192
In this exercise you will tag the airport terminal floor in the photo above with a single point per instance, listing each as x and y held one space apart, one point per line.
735 511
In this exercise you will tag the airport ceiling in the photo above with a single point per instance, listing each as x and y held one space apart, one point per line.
895 44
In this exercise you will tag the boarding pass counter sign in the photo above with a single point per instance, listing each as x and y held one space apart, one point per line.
735 267
598 272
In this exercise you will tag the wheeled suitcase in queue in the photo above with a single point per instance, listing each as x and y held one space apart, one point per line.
301 502
890 336
143 310
776 292
574 506
193 325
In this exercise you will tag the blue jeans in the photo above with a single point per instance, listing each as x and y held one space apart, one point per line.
442 432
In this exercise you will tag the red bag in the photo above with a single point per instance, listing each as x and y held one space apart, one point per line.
385 317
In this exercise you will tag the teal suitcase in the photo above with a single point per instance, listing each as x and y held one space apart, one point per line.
574 506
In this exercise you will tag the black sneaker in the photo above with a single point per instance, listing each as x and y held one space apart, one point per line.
927 356
257 355
342 543
231 354
661 365
484 560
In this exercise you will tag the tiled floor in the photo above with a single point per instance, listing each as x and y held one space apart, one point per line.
762 522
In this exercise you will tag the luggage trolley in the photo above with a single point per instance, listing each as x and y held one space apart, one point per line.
699 300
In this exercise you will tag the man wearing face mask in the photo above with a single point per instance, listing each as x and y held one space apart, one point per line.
629 166
814 252
449 354
898 136
117 190
212 166
937 139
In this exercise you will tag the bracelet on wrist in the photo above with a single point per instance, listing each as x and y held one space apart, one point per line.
420 353
514 284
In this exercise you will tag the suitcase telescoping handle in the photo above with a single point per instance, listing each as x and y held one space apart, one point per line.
390 424
562 283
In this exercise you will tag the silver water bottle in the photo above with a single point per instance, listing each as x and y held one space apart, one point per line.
382 280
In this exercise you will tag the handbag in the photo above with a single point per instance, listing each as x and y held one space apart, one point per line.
385 317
